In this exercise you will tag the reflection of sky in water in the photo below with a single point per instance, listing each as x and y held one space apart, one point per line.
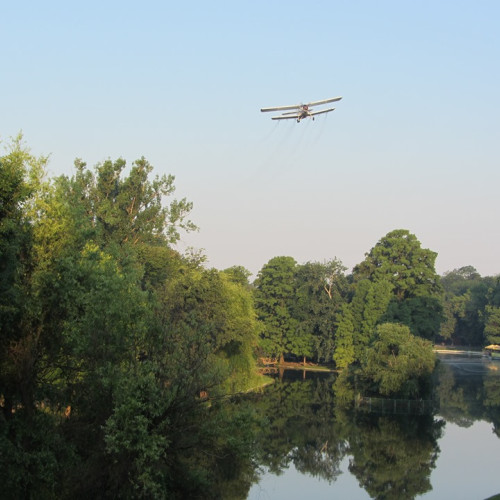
466 468
292 485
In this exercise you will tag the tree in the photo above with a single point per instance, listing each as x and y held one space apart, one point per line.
492 325
238 274
344 342
32 445
423 315
460 280
131 208
21 176
209 303
320 293
274 296
467 300
453 311
398 362
369 303
110 338
399 259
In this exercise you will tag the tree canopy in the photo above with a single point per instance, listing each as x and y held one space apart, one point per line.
111 341
399 259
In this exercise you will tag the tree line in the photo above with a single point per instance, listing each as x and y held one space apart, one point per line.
117 351
379 321
314 310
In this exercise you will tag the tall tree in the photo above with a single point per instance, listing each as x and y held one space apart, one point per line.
321 289
344 343
369 303
131 208
399 259
453 311
274 296
492 326
466 295
21 176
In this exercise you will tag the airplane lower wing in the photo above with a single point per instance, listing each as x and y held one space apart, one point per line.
312 113
285 117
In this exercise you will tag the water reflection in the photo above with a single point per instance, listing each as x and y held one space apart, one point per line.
391 456
468 389
311 428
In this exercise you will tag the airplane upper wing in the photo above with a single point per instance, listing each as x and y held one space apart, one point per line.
324 101
281 108
312 113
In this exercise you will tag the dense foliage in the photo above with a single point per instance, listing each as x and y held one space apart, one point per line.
297 305
314 310
114 347
471 308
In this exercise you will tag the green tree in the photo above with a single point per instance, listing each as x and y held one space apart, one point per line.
368 305
32 447
112 339
465 296
321 289
21 179
423 315
130 209
398 362
274 296
492 326
344 341
399 259
460 280
453 311
210 302
238 274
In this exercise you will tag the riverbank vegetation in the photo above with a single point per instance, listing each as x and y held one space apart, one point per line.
115 349
118 353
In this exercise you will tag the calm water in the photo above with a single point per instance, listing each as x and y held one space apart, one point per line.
311 447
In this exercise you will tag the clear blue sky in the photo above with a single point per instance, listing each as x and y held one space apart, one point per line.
414 143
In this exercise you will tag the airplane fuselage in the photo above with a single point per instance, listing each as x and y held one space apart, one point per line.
304 113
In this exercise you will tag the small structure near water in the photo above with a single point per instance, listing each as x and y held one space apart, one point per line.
493 351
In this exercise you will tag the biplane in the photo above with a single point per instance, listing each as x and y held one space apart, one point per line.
301 111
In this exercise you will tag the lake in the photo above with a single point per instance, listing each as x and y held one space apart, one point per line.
310 446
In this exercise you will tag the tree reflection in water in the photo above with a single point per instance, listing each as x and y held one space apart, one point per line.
311 424
468 389
392 456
